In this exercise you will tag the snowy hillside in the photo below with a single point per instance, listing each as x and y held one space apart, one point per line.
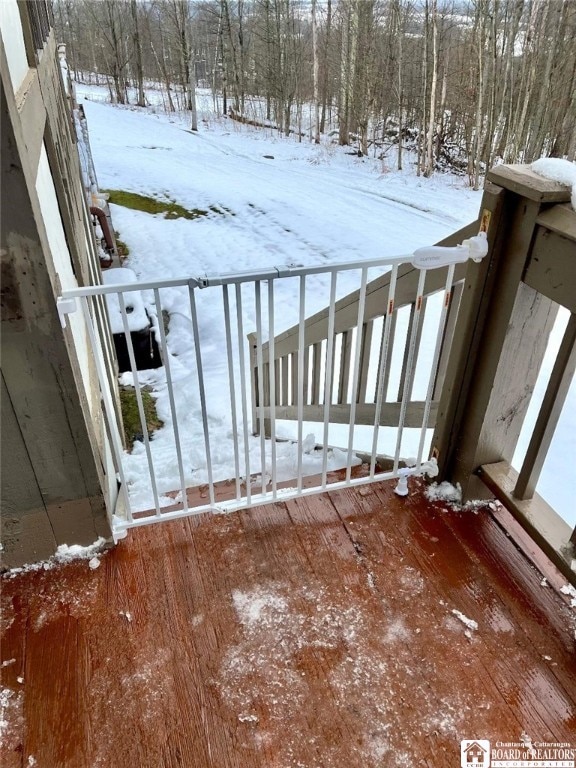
271 201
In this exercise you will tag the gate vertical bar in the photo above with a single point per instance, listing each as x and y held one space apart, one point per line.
357 351
435 360
108 405
243 394
384 366
260 364
233 413
166 359
409 365
272 368
328 373
202 390
301 337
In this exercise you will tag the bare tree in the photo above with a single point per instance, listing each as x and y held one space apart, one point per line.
315 70
141 102
460 83
429 160
192 81
108 18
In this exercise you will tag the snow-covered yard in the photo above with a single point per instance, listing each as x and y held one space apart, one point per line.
271 201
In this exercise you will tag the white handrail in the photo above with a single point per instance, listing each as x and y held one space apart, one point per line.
234 278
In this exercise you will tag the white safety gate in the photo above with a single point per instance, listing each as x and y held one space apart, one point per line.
348 408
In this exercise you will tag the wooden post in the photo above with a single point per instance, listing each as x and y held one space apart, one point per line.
478 286
501 335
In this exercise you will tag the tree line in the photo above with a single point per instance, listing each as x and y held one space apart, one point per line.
462 84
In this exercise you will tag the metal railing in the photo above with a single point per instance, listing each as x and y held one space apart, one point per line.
234 468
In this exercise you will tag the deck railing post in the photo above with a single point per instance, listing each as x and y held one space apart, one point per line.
501 335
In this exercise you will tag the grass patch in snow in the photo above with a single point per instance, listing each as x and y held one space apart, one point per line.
131 417
170 208
121 247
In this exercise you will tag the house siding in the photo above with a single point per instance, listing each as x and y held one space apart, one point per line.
58 479
13 40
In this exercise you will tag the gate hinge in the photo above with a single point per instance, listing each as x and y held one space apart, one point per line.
65 307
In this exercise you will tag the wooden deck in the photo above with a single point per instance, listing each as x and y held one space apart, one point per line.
317 633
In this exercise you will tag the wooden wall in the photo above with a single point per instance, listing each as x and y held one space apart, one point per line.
53 478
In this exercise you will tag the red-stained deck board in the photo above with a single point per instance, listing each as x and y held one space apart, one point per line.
314 633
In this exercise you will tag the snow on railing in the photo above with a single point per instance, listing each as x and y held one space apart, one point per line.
206 456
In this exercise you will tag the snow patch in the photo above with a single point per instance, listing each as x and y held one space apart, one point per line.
397 631
11 718
135 309
475 505
257 607
378 746
412 581
444 492
569 590
556 169
284 634
265 671
445 722
64 554
67 553
248 718
468 623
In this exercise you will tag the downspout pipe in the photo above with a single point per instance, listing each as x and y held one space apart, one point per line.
103 221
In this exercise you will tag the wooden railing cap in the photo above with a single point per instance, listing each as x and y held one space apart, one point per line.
523 181
560 219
